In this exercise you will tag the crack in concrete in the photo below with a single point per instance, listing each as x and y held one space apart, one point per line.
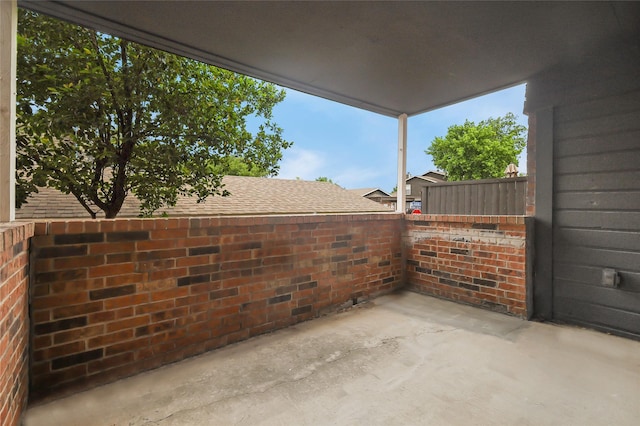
276 384
437 331
442 330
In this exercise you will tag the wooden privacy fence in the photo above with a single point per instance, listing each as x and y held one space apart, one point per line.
476 197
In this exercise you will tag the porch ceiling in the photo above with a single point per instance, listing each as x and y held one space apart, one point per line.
386 57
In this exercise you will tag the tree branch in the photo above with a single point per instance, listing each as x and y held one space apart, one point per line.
108 79
79 197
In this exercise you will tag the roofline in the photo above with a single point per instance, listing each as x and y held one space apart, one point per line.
376 189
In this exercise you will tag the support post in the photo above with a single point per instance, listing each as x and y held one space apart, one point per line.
402 164
8 48
543 269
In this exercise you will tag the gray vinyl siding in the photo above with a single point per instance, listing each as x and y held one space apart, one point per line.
596 211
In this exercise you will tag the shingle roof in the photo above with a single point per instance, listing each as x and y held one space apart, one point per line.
436 174
426 178
249 195
363 192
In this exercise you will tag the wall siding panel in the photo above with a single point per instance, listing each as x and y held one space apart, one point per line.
597 210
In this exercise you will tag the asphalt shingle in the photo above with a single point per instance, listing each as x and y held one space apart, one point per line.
249 195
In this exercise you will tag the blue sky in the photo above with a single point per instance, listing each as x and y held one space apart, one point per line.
357 148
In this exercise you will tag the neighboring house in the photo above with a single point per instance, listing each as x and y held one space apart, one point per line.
393 199
377 195
249 196
370 193
416 184
435 175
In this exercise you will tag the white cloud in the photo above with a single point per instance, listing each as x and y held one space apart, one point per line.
301 163
356 177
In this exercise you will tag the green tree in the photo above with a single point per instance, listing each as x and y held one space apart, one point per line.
479 151
236 166
101 117
324 179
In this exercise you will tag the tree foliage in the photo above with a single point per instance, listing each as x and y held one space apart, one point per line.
236 166
324 179
479 151
101 118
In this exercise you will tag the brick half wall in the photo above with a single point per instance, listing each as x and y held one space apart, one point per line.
477 260
112 298
14 320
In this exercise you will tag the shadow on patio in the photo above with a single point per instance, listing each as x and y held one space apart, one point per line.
400 359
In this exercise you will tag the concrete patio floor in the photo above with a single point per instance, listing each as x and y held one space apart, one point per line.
402 359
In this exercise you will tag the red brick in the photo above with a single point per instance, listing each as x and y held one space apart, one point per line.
107 339
121 225
169 314
204 287
40 228
193 260
103 316
125 301
72 311
153 245
58 351
78 262
42 341
156 285
197 308
78 334
193 299
128 346
168 234
155 306
125 312
168 273
104 364
118 280
195 240
120 258
111 248
60 300
77 285
191 319
154 265
110 270
57 227
91 226
128 323
41 316
172 293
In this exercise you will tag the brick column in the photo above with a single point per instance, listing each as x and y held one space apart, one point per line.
14 320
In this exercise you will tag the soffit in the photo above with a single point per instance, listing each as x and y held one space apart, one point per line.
386 57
